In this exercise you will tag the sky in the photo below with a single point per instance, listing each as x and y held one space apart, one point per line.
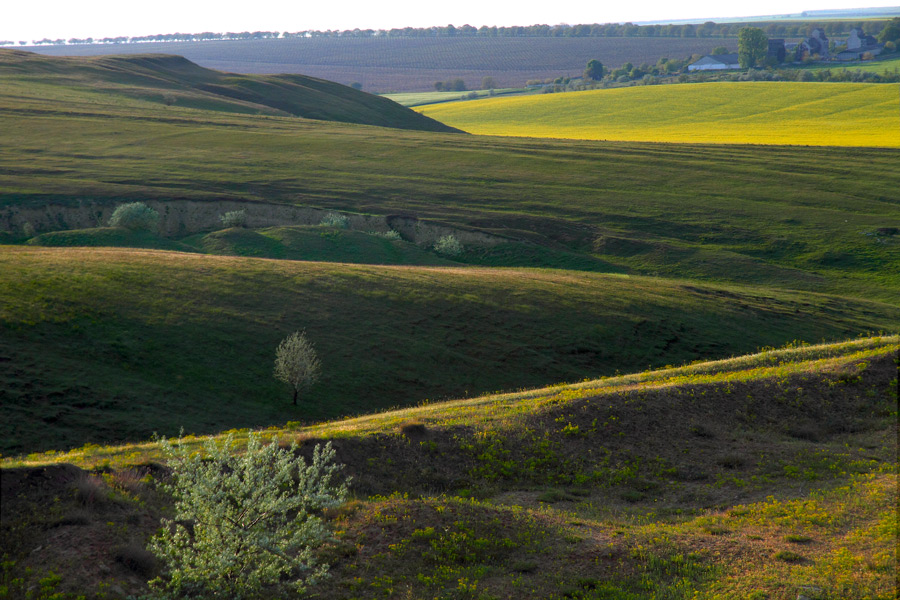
36 19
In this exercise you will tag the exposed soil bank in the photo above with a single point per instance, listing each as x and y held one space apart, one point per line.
179 218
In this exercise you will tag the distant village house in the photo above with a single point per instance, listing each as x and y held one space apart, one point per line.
776 50
815 45
859 44
716 63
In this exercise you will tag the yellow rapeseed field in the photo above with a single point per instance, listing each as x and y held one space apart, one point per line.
816 114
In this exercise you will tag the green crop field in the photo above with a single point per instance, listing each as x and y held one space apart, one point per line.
799 114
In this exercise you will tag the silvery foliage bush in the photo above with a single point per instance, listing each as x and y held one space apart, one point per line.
28 230
244 524
335 220
234 218
392 234
448 246
134 216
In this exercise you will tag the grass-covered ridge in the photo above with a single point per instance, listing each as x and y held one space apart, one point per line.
144 81
842 362
800 114
769 475
103 344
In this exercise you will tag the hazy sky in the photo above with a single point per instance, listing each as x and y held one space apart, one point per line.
35 19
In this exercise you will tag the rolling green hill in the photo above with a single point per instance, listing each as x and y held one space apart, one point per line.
770 475
762 215
315 243
763 476
144 80
801 114
104 345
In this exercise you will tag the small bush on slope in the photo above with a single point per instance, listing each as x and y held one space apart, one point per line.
135 216
255 522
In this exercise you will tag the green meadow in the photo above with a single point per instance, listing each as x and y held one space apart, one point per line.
421 98
93 337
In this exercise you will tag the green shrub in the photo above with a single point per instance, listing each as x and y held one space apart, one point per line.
393 234
234 218
244 525
135 216
28 230
789 557
448 246
335 220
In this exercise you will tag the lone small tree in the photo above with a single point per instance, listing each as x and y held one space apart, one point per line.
245 525
296 363
594 70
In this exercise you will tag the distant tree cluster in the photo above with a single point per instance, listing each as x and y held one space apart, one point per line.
891 32
709 29
452 85
160 37
629 72
488 83
794 74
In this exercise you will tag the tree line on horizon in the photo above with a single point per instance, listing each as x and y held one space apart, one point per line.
709 29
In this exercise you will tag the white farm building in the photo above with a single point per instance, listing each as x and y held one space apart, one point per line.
716 63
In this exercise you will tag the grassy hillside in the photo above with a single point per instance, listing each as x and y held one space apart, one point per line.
107 237
725 113
145 80
100 345
884 64
764 476
315 243
744 214
420 98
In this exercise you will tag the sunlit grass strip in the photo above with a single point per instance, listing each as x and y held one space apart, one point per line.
501 409
495 409
820 114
